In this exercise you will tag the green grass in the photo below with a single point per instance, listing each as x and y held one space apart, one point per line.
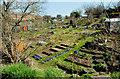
66 36
71 65
54 72
18 70
115 75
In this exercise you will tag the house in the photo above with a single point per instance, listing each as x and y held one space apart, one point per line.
84 16
114 15
113 24
28 17
27 20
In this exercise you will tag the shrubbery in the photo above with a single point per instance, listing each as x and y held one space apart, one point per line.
86 76
115 75
53 73
18 70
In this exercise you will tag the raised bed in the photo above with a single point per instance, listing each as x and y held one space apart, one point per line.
71 67
78 61
31 47
97 57
61 47
89 70
55 49
57 55
64 45
47 46
100 67
96 61
37 57
42 55
78 56
93 46
90 51
48 52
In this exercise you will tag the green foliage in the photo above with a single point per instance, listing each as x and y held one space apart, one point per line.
71 65
101 65
18 70
1 68
59 16
83 22
53 73
75 14
115 75
91 65
106 56
86 76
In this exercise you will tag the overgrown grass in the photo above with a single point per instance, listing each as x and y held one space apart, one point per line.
115 75
53 73
71 65
18 70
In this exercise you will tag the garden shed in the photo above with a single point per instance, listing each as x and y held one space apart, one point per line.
113 24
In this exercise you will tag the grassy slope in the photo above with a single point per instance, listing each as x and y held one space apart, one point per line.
64 36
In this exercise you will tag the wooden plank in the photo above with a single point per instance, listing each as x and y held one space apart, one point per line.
56 49
62 47
48 52
42 55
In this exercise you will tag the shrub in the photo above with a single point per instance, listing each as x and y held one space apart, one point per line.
86 76
18 70
1 68
53 73
115 75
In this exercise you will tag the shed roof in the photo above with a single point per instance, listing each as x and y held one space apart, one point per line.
112 20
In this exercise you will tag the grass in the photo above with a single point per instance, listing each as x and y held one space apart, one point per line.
65 36
115 75
18 70
71 65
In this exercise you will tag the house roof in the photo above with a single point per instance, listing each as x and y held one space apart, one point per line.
39 16
15 16
26 17
112 20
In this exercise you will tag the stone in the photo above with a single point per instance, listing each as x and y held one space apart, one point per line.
29 62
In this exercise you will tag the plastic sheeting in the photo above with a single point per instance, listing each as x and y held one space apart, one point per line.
42 42
57 55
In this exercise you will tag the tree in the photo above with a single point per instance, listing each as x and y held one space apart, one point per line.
8 35
66 17
75 14
114 11
47 18
59 16
93 11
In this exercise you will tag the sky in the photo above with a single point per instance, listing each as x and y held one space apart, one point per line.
65 7
68 0
82 0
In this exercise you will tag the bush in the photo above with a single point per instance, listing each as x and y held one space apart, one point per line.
115 75
86 76
18 70
1 71
53 73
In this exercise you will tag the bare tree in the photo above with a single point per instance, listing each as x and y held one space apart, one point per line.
94 11
8 35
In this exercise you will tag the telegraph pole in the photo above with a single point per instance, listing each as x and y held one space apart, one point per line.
118 5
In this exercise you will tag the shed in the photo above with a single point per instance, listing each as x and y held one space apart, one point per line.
18 46
25 28
42 42
113 24
28 27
